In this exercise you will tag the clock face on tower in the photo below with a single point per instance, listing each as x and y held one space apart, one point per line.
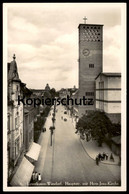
86 52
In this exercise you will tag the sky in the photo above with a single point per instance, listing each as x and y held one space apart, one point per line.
44 38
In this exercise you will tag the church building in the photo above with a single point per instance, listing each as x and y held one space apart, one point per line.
102 90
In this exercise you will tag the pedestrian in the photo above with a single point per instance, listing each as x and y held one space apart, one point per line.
106 156
111 157
33 177
99 156
97 160
36 176
39 178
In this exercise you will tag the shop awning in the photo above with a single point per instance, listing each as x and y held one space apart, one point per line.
34 151
23 174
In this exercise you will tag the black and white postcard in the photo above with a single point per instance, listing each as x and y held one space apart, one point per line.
64 97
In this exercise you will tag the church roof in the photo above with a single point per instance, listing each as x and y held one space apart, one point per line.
90 25
109 74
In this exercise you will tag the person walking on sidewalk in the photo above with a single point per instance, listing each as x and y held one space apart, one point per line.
39 178
33 177
99 156
106 156
111 157
97 160
36 176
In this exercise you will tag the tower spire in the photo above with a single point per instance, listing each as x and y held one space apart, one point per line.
85 18
14 57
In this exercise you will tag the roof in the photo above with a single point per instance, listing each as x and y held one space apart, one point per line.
23 174
76 92
109 74
90 25
36 90
34 151
13 71
28 109
26 91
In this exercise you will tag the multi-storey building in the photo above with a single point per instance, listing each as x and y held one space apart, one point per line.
108 95
15 117
21 148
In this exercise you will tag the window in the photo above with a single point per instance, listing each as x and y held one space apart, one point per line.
17 92
16 123
91 65
101 95
16 146
89 93
30 118
8 123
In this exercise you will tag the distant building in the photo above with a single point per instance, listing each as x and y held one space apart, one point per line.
47 88
108 95
37 92
74 108
63 93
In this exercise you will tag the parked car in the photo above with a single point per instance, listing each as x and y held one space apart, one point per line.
65 112
65 119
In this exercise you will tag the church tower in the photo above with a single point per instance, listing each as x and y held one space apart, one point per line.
90 63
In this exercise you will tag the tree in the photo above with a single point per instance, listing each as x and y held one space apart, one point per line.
116 129
47 94
96 124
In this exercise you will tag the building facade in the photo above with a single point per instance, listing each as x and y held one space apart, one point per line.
22 151
28 118
90 63
15 117
108 95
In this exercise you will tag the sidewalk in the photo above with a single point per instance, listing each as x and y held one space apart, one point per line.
44 141
92 149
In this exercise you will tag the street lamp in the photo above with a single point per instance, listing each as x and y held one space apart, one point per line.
53 120
51 129
76 117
